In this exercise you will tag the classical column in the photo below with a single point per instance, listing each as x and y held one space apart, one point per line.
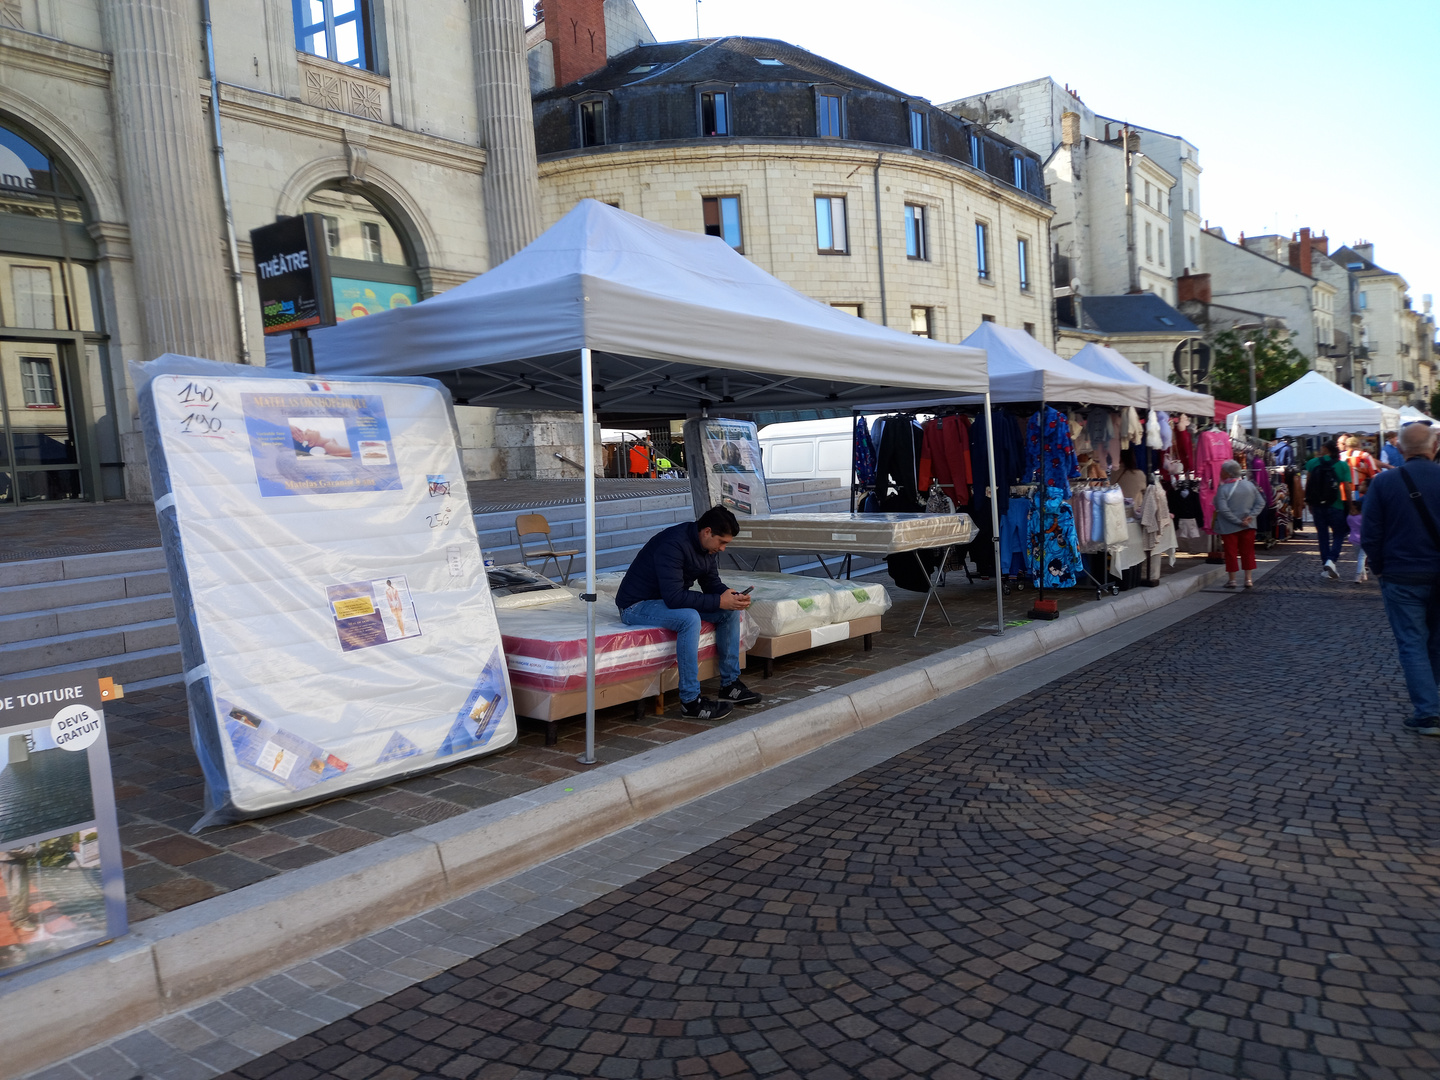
511 184
185 299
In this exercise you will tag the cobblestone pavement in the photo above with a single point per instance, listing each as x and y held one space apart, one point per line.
1209 854
160 793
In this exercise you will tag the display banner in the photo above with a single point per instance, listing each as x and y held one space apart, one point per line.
725 466
60 860
338 627
292 272
355 298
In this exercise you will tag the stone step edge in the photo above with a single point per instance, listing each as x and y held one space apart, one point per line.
176 961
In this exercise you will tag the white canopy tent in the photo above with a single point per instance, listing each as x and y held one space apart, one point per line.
1313 405
1103 360
607 312
1021 369
1410 415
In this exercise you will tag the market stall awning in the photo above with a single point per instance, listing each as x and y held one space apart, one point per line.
1103 360
1021 369
1410 415
1313 405
677 322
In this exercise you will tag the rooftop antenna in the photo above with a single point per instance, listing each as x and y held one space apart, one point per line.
697 19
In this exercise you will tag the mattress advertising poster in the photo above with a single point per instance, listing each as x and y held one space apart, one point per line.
731 473
343 630
61 883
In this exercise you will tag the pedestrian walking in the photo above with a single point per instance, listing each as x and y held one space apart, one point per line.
1363 468
1400 533
1390 453
1238 504
1324 476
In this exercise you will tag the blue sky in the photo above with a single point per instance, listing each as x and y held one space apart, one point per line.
1318 114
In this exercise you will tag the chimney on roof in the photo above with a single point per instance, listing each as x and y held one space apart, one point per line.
1194 287
1069 128
576 32
1364 249
1132 143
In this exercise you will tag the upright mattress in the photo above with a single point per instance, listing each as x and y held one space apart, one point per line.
870 534
545 646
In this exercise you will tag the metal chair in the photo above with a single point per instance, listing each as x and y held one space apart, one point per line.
536 525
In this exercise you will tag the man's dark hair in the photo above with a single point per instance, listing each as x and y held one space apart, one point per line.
1330 448
719 521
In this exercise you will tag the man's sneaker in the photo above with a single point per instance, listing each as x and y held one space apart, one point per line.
1430 726
1330 571
737 693
702 708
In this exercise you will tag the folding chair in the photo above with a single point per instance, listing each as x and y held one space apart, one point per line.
536 525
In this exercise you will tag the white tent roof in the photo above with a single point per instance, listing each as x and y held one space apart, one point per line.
1313 405
1021 369
1408 414
1103 360
677 320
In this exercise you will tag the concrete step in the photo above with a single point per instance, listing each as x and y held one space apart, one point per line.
71 567
87 646
58 593
30 625
136 670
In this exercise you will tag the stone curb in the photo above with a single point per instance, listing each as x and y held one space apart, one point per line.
174 961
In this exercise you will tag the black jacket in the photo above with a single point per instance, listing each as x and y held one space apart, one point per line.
670 562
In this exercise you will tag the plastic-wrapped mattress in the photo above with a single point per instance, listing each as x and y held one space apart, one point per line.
545 646
880 534
516 585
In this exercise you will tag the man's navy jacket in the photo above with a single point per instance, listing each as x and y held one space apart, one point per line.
670 562
1391 529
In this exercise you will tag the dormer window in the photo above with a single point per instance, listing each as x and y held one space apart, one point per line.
977 151
769 61
1018 167
592 122
714 111
919 130
830 112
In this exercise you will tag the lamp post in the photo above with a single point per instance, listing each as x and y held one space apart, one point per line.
1254 426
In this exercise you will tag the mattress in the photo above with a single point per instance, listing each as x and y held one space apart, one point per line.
789 603
870 534
336 625
516 585
545 646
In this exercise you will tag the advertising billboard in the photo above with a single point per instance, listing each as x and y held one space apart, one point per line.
292 269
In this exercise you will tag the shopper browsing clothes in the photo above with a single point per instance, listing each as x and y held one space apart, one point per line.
1401 534
656 592
1324 476
1238 503
1363 468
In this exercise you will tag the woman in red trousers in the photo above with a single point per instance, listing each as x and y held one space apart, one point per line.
1237 504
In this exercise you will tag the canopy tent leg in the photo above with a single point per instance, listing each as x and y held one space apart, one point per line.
994 522
587 408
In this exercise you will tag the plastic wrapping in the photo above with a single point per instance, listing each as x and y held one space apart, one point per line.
516 585
336 626
870 534
545 646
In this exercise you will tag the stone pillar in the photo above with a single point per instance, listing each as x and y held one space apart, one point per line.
186 301
511 184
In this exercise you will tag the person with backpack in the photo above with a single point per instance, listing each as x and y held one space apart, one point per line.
1324 476
1401 536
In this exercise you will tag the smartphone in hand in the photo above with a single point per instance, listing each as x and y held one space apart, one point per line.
747 592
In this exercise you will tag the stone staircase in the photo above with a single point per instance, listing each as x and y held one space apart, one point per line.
112 611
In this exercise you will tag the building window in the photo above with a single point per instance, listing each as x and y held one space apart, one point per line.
1149 243
1030 328
722 219
987 318
1018 172
337 30
1364 301
1193 264
920 321
37 380
371 246
592 123
830 116
919 130
1022 252
977 151
34 292
332 233
1160 245
850 309
1147 192
714 113
1190 199
915 245
982 250
830 229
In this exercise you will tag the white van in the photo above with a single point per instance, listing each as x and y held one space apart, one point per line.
807 449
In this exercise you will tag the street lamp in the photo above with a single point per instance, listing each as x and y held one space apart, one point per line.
1254 427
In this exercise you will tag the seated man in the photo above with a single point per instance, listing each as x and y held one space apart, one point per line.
656 592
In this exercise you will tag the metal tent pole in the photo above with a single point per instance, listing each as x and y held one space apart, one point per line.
994 523
587 406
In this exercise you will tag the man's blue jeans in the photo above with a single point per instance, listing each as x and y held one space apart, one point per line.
1332 528
1414 612
685 622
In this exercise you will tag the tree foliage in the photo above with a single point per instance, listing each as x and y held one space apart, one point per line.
1277 364
1435 403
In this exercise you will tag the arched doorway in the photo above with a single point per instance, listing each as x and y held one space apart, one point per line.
372 263
50 329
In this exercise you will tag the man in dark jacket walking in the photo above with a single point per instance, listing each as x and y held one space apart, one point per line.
656 592
1400 532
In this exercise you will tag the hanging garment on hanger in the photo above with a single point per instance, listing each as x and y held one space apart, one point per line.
1009 456
1133 431
1079 434
1153 438
1112 522
864 460
1185 448
1047 444
1211 450
945 457
897 465
1080 511
1013 543
1054 547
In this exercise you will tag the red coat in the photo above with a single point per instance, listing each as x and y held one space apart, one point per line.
945 457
